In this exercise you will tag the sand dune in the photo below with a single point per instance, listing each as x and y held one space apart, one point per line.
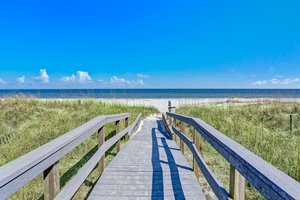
162 104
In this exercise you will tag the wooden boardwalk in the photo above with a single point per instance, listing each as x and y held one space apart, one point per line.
149 166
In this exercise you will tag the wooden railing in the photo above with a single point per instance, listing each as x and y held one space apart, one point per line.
45 159
268 180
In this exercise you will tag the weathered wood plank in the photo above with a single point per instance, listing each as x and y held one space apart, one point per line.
19 172
136 123
126 125
117 126
70 189
216 186
51 181
197 145
149 166
167 125
236 184
113 118
182 130
268 180
175 124
101 140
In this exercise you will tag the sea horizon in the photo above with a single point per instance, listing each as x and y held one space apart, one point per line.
149 93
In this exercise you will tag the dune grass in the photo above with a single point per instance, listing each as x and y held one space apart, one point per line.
26 124
262 128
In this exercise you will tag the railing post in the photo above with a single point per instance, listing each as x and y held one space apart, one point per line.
51 181
291 123
117 124
126 125
101 140
174 124
237 184
197 145
182 129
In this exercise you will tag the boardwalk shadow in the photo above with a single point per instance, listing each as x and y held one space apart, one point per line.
160 136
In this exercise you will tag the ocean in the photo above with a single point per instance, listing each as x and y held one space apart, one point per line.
154 93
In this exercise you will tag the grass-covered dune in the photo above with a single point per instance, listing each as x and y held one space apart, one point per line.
26 124
262 128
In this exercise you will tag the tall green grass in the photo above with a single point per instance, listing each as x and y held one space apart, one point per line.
264 129
26 124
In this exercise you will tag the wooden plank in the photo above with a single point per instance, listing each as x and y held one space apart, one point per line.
216 186
101 140
70 189
197 145
136 123
113 118
126 125
51 181
157 170
182 130
117 126
19 172
237 184
174 124
267 179
167 125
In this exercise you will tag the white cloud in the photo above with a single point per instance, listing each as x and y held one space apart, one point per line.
80 76
116 80
2 81
289 81
71 78
284 81
43 76
277 81
122 81
260 82
21 79
101 81
142 75
83 76
274 81
140 82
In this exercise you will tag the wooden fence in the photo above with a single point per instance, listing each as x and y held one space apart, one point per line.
45 159
268 180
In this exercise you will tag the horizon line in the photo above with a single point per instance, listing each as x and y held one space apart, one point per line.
149 88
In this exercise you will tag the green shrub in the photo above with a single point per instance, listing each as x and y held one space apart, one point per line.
26 124
264 129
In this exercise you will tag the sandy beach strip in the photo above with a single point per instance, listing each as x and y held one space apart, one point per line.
162 104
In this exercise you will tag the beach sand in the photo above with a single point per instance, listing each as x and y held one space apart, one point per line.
162 104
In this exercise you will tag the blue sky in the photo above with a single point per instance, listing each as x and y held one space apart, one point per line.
149 44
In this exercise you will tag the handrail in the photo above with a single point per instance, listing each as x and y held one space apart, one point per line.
216 186
166 124
71 188
135 124
19 172
268 180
